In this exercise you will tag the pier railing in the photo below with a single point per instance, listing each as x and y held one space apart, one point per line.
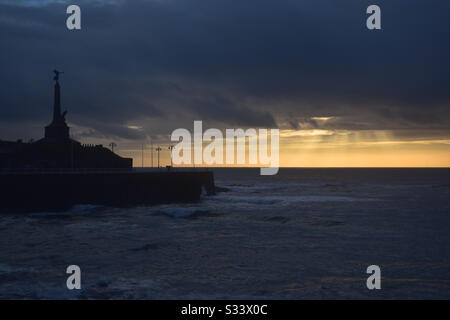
102 170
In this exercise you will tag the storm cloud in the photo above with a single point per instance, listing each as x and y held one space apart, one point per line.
160 64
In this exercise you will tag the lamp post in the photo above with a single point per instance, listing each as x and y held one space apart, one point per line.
171 160
158 150
142 155
151 147
112 145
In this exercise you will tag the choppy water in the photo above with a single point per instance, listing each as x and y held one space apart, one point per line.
306 233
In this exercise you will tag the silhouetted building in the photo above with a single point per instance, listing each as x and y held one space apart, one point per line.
57 149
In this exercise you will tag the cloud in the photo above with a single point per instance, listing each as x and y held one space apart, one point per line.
232 63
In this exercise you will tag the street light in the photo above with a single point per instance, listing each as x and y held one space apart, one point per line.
158 150
171 161
112 145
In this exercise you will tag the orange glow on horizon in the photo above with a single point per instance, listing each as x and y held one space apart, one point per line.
324 148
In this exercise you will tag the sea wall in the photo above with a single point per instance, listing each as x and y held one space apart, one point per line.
37 192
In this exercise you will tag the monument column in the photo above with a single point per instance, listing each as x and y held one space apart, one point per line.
58 129
57 103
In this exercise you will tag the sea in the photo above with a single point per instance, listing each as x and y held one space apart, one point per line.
302 234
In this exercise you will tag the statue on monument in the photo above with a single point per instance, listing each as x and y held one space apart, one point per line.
57 73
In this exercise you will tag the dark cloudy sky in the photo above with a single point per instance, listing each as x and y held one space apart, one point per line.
146 67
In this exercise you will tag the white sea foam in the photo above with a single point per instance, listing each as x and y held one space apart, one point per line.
76 209
286 199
